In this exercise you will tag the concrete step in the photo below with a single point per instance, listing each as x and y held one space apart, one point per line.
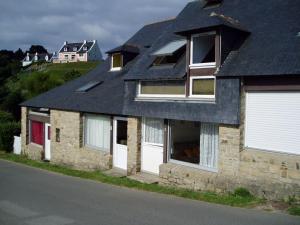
116 172
145 178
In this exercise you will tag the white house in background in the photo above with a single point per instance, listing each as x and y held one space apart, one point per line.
79 52
37 57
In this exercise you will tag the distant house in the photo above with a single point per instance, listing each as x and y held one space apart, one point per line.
79 52
37 57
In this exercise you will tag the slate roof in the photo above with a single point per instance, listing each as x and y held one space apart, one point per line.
108 97
88 45
124 48
272 48
70 47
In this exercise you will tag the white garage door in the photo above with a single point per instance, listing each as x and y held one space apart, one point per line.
273 121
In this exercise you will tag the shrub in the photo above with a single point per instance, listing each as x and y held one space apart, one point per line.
5 117
7 132
242 192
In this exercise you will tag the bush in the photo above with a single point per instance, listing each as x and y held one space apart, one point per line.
5 117
7 132
242 192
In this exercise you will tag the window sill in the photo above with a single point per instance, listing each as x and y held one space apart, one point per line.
203 66
266 151
194 166
115 69
176 99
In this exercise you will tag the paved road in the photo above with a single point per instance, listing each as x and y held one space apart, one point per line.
31 196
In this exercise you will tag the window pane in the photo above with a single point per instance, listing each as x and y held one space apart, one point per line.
122 132
163 87
203 86
97 132
209 143
185 141
203 49
37 132
117 60
154 132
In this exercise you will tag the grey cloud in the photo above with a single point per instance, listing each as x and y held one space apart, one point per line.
51 22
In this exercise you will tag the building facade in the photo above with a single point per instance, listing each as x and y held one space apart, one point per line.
193 100
79 52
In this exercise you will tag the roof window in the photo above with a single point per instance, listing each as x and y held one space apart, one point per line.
90 85
170 53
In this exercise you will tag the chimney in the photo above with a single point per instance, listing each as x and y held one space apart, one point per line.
65 43
27 53
94 41
84 42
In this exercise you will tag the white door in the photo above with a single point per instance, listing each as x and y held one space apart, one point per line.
120 143
152 145
47 141
273 121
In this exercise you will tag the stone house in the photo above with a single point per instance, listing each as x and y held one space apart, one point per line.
207 101
79 52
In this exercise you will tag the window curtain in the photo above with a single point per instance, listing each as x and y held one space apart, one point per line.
37 132
209 143
154 132
97 132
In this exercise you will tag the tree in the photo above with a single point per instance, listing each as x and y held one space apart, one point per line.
37 48
19 54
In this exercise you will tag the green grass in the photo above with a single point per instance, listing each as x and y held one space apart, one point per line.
294 210
225 199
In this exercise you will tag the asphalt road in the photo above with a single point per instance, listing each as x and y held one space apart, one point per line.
30 196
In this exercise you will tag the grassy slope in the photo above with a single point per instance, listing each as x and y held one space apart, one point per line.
37 79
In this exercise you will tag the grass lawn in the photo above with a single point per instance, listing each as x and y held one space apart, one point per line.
238 199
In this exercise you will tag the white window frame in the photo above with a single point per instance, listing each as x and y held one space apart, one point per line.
65 49
200 65
192 165
112 63
74 49
192 78
84 48
85 133
140 95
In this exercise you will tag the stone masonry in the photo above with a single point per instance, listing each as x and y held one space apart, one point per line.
134 146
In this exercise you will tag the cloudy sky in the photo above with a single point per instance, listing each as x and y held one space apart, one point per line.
51 22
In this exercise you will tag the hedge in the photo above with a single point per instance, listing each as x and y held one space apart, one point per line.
7 132
5 117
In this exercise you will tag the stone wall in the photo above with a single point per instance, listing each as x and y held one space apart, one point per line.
70 150
134 145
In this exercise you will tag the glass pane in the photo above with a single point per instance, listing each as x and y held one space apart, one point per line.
97 132
122 132
203 49
117 60
163 87
185 141
203 86
154 132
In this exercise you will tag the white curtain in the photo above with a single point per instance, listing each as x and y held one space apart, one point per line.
154 132
97 132
209 143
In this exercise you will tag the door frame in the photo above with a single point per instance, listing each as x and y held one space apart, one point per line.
115 120
46 140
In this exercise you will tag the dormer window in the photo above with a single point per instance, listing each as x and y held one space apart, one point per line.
85 48
116 62
203 50
74 49
65 49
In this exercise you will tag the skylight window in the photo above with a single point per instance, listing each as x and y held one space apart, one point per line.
89 86
170 53
170 48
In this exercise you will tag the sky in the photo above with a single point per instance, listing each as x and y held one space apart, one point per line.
51 22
